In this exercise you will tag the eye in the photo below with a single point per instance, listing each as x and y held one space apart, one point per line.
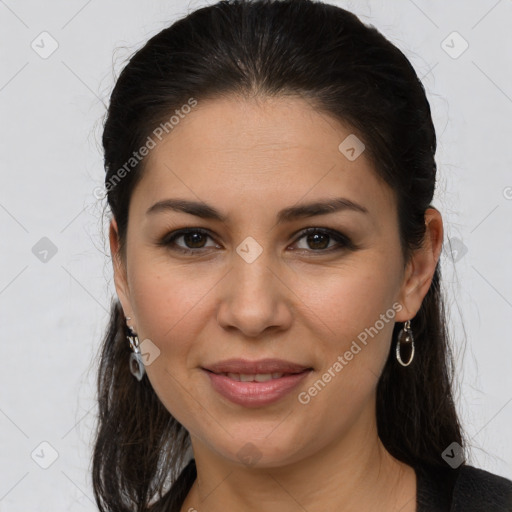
317 238
193 239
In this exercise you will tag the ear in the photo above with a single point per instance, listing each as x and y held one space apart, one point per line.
120 277
420 269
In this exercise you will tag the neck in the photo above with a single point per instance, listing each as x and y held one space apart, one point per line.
353 474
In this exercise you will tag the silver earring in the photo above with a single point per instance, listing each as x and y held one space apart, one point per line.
405 341
136 365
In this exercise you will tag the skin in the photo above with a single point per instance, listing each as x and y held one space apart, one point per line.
298 300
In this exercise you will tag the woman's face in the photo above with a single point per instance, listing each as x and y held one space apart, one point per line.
253 286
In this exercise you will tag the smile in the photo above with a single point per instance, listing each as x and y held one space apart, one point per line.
255 390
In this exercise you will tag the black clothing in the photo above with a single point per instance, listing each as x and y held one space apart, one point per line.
465 489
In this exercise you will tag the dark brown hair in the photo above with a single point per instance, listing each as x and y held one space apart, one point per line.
342 67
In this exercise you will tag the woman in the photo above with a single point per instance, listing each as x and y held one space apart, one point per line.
279 342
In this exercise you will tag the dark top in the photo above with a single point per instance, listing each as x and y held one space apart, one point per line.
465 489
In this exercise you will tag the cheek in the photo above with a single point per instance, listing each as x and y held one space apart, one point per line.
353 322
349 298
170 309
167 299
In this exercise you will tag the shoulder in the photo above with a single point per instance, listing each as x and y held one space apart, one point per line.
478 490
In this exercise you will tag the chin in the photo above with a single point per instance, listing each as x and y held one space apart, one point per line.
260 453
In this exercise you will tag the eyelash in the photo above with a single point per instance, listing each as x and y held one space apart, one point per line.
169 239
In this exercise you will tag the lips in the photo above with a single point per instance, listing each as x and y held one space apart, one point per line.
255 394
260 367
255 383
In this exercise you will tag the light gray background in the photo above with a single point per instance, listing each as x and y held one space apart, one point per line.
53 314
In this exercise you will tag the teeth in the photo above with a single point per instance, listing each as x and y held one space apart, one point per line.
263 377
259 377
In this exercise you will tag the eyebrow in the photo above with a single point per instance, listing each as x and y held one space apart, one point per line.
206 211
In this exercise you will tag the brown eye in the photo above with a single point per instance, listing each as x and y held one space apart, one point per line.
318 240
193 239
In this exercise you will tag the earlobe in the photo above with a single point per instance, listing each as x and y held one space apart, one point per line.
421 268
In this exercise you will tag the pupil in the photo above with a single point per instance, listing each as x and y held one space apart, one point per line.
188 236
316 237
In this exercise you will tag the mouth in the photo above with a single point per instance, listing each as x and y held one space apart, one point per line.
261 367
256 377
259 388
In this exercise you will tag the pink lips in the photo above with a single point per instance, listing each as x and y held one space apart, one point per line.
255 394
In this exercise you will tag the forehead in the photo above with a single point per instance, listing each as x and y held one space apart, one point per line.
273 150
281 128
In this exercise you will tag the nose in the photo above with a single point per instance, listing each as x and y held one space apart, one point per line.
254 297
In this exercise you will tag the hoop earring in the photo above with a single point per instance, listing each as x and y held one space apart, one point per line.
405 339
137 368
